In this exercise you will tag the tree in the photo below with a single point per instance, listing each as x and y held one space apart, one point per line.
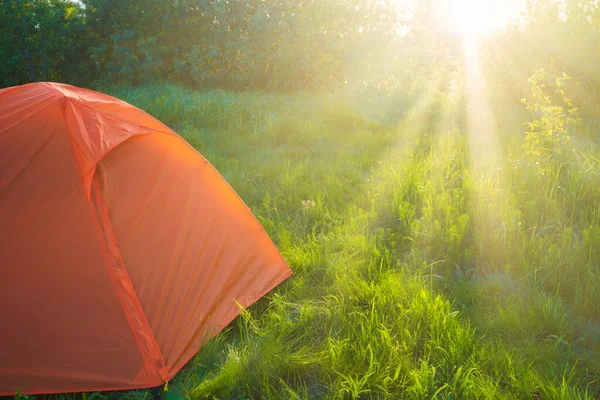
42 40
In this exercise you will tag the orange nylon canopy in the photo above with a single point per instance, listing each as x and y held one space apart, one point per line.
123 250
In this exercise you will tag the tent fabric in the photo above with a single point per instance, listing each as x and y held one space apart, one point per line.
123 250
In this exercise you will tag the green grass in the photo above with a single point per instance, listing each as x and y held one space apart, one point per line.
418 273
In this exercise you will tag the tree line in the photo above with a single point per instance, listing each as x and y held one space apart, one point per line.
281 45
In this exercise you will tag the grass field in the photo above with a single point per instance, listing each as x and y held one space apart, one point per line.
419 271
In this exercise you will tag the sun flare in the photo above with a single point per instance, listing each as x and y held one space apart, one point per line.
483 16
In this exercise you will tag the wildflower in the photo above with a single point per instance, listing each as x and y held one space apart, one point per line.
306 204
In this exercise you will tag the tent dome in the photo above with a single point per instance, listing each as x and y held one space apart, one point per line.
123 250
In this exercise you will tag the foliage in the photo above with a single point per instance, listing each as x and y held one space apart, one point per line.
284 46
289 45
42 40
558 36
547 133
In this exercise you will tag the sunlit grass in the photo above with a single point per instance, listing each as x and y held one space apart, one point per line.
418 275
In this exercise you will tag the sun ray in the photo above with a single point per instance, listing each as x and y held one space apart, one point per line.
481 127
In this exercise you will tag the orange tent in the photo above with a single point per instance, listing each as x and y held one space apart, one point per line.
122 249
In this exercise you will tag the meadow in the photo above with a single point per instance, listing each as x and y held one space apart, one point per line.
420 270
429 169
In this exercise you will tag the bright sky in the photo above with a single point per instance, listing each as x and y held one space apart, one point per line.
472 16
482 16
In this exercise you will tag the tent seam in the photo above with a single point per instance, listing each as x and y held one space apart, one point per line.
98 225
135 314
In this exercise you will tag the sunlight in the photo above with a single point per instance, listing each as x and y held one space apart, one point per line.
483 16
481 126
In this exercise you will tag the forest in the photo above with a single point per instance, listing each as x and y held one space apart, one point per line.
429 171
